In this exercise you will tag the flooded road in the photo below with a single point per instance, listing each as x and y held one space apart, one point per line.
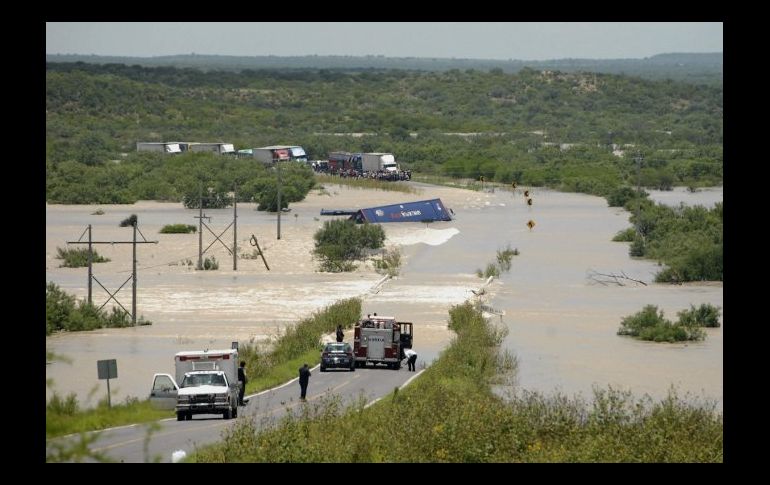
562 324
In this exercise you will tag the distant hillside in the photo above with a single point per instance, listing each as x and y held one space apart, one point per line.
704 68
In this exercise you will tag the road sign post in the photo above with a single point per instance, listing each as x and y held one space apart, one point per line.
107 369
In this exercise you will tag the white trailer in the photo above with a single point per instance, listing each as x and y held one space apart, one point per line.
375 162
161 147
279 153
264 155
218 148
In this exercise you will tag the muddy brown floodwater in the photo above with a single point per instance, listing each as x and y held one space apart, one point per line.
562 326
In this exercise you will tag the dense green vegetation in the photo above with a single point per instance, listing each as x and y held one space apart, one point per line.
78 258
537 128
62 312
688 240
340 242
450 414
649 324
706 315
275 362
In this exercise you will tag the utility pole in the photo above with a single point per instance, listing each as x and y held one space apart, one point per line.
235 228
200 227
638 159
278 166
90 264
133 289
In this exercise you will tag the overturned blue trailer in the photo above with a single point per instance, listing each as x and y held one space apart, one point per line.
420 211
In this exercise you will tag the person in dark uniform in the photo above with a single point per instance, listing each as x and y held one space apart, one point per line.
242 380
340 333
304 378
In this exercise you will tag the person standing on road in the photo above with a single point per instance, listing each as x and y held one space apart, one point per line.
304 378
411 358
242 380
340 333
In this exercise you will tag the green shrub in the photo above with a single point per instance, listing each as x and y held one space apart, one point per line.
504 257
389 263
178 229
688 240
626 235
78 258
210 264
492 270
638 247
340 242
705 315
62 312
129 221
649 324
67 406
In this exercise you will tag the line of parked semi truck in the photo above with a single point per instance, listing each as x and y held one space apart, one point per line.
345 164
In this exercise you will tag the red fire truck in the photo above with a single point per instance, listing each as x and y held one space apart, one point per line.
380 339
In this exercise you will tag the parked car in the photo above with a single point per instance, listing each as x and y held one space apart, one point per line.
338 355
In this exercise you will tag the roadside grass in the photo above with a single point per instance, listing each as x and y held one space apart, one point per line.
450 414
63 415
274 363
394 186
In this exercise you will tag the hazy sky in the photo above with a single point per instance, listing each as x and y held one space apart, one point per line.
474 40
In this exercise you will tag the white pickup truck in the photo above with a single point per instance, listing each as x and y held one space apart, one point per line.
206 383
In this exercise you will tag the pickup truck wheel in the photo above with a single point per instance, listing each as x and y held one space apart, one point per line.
180 416
235 412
